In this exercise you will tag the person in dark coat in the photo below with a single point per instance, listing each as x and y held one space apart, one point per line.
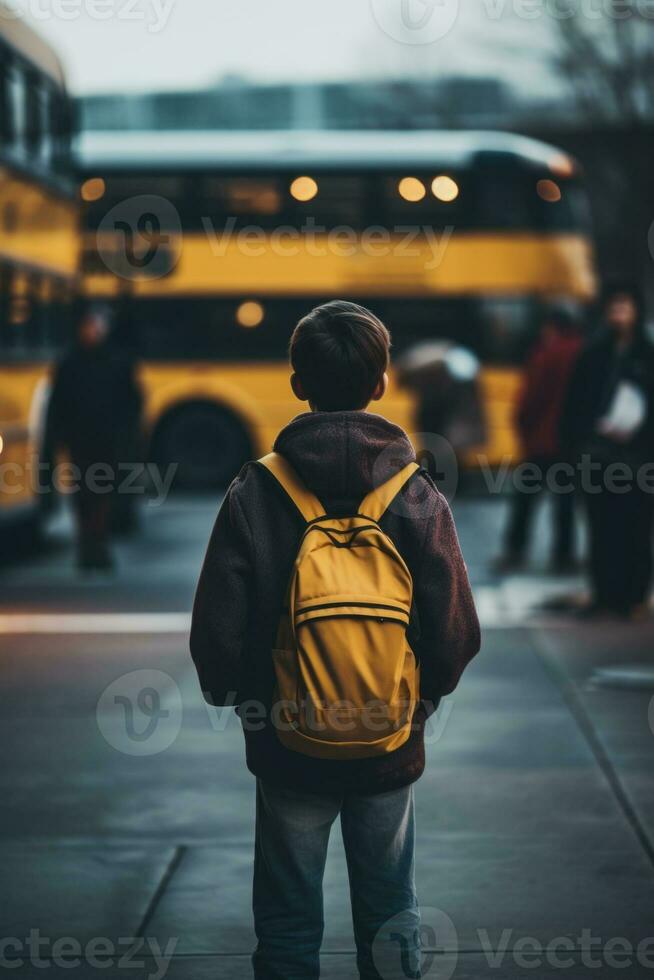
537 420
94 407
608 422
341 452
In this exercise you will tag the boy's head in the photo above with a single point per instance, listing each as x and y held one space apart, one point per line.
339 355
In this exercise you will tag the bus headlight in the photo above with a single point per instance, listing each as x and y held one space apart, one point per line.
444 188
249 314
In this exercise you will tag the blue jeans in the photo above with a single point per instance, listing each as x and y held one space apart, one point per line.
292 834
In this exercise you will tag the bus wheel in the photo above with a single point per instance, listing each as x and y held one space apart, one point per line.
206 442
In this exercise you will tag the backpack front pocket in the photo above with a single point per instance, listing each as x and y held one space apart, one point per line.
355 670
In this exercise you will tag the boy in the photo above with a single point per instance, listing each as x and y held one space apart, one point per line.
339 356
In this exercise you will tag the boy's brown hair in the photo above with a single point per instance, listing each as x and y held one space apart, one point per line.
340 352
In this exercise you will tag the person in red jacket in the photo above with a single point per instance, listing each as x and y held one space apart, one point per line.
537 419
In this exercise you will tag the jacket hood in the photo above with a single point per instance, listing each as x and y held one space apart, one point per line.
344 455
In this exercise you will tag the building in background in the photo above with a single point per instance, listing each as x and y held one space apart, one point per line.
239 104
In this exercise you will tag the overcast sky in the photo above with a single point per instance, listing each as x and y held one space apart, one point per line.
112 45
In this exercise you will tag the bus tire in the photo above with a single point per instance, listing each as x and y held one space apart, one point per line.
207 443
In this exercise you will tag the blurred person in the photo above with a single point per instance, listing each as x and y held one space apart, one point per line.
131 450
608 421
333 460
93 413
537 420
445 380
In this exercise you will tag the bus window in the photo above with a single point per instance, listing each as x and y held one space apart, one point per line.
415 321
47 135
34 120
561 205
503 199
249 196
5 107
17 92
513 198
19 314
246 200
119 189
330 201
38 328
61 128
5 280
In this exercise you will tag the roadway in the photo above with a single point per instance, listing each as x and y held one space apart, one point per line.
126 821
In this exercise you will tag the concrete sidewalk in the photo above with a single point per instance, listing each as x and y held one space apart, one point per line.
535 815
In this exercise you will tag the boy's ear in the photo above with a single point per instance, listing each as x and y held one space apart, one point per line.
298 390
380 390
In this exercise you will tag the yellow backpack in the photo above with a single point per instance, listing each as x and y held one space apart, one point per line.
347 682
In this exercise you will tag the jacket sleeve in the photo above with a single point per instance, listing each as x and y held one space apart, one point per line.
449 628
221 607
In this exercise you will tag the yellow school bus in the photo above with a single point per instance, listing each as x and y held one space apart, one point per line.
210 246
39 251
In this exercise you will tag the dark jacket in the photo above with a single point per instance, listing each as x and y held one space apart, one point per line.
541 401
598 371
340 456
95 403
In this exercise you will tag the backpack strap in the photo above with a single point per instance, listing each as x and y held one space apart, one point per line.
376 503
306 502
